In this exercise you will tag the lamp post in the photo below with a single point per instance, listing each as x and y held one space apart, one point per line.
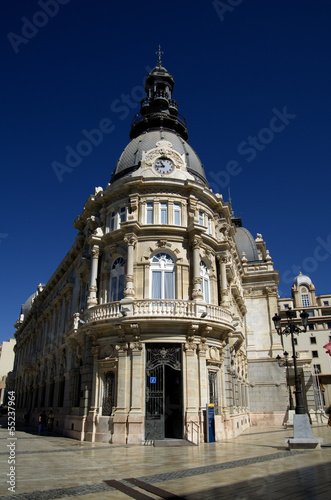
288 365
291 329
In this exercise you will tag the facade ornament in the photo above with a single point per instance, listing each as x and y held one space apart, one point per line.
189 344
122 348
163 148
196 242
131 239
202 347
163 244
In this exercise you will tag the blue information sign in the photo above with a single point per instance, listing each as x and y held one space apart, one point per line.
152 380
210 418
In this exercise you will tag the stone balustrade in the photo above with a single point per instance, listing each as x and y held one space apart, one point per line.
176 309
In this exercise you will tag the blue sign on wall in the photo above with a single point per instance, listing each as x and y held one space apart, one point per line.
152 380
210 421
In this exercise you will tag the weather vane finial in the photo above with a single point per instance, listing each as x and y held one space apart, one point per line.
159 54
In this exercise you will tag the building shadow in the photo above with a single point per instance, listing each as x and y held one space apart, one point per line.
306 483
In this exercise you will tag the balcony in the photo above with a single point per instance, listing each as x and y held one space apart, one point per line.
158 309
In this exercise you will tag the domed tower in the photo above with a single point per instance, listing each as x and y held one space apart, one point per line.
158 109
303 292
157 121
160 299
143 323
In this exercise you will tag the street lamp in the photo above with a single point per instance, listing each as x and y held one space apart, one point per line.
288 365
290 329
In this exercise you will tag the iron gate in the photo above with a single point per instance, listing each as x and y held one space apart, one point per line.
163 392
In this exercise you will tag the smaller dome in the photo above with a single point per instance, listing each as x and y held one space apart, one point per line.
246 243
28 304
301 279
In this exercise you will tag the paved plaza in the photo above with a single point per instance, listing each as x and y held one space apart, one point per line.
255 465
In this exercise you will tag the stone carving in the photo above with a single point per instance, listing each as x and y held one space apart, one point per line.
163 148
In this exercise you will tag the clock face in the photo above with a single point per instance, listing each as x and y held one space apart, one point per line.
164 166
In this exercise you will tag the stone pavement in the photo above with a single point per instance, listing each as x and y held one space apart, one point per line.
255 465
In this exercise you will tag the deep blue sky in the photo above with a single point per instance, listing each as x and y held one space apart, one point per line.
232 71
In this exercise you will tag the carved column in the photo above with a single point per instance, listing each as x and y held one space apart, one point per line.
131 241
197 292
191 379
92 415
92 298
136 421
123 395
224 406
224 281
203 381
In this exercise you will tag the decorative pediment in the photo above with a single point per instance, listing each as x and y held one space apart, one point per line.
163 148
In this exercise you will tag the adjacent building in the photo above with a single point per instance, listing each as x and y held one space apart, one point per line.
6 365
315 363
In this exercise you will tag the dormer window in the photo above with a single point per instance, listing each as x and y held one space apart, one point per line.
305 297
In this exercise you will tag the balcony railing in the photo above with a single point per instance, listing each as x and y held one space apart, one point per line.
176 309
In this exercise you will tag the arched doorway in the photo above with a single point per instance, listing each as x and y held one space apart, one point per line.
164 415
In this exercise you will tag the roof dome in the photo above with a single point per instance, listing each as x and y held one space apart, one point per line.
302 279
28 304
246 243
132 154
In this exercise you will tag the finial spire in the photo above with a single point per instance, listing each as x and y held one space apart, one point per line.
159 54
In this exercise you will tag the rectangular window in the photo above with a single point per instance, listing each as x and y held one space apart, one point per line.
311 313
286 306
149 213
295 341
122 214
305 300
177 214
156 285
113 291
325 302
311 327
169 285
120 287
205 289
201 219
315 354
317 368
112 225
209 226
164 213
313 340
329 325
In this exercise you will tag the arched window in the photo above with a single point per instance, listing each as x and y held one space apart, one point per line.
305 297
204 275
163 277
117 280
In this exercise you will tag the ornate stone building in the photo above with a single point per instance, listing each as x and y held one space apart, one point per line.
314 362
163 304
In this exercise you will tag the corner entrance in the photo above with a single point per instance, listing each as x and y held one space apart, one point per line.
164 417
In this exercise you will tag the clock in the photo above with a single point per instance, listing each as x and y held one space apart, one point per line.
164 165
